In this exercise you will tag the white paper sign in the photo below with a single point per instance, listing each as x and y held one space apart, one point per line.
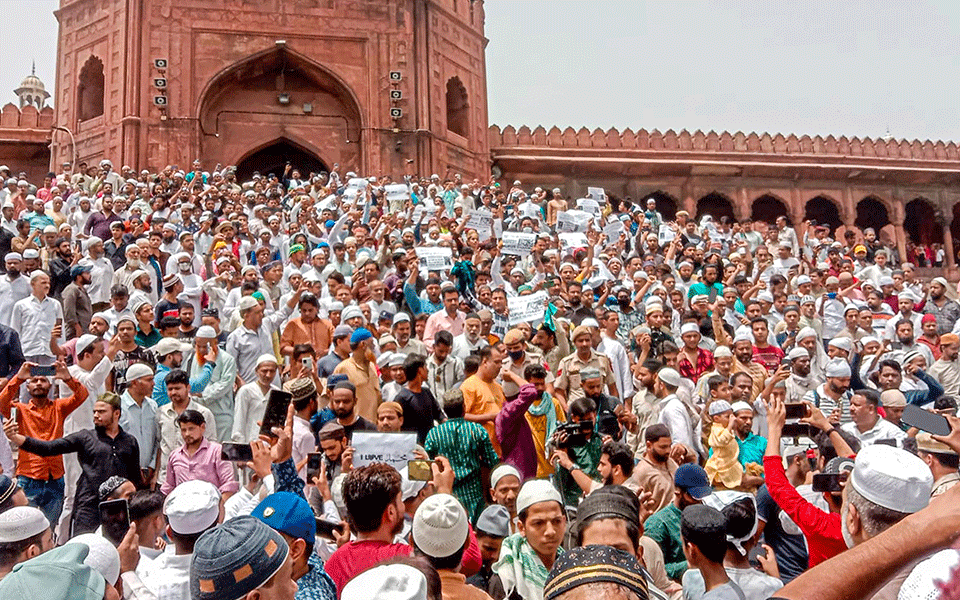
395 449
353 189
570 221
589 205
613 230
569 241
397 194
418 212
435 258
597 194
481 220
526 309
517 243
666 234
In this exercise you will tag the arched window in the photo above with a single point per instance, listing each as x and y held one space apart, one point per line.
90 89
457 108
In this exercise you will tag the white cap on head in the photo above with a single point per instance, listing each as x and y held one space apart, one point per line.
21 523
743 334
765 296
397 359
803 279
869 339
138 370
206 332
400 317
798 352
689 328
440 526
722 352
837 368
502 471
247 302
669 376
924 581
393 582
102 557
266 358
719 407
588 322
192 507
906 294
85 341
844 343
740 405
806 332
892 478
535 491
351 312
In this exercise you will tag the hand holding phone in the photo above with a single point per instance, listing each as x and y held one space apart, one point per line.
115 520
236 452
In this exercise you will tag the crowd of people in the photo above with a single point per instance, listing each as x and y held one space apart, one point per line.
592 398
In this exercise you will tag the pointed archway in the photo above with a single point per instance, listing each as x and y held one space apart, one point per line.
281 95
823 211
273 158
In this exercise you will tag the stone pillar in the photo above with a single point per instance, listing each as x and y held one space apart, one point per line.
948 245
900 234
689 202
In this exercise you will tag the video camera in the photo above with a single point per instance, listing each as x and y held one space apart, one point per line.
577 434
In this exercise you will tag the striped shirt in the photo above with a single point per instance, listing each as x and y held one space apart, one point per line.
468 448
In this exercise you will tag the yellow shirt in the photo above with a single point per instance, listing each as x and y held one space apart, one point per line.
367 384
538 425
723 466
482 398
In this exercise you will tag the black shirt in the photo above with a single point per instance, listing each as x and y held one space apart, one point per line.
101 457
420 410
361 424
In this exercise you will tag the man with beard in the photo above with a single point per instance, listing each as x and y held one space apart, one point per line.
947 369
751 445
361 370
218 394
833 396
800 381
104 451
78 309
343 403
630 316
13 287
61 264
691 486
577 293
940 305
99 222
101 274
866 424
905 302
470 340
743 361
402 330
373 498
658 464
198 458
906 343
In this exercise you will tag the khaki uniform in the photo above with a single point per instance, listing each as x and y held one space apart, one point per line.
511 389
568 374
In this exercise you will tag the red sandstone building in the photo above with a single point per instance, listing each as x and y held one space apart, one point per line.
399 86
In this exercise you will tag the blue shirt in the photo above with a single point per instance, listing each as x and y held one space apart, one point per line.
752 449
316 584
417 305
197 384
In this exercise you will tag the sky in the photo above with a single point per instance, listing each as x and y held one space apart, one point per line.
801 66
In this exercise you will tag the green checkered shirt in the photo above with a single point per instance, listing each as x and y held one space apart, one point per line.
467 446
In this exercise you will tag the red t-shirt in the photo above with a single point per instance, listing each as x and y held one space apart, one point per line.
353 558
769 356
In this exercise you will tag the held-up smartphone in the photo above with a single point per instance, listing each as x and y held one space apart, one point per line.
326 528
797 430
924 420
796 410
13 413
831 483
40 371
419 470
236 452
307 362
314 464
115 520
276 413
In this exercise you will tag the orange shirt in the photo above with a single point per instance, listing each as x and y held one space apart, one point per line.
482 398
317 334
42 423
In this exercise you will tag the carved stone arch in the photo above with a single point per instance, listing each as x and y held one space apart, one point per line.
716 205
90 89
280 93
873 212
272 156
924 221
667 204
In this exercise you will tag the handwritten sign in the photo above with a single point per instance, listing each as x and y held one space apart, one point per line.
527 309
394 449
435 258
570 241
418 212
517 243
573 221
352 192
